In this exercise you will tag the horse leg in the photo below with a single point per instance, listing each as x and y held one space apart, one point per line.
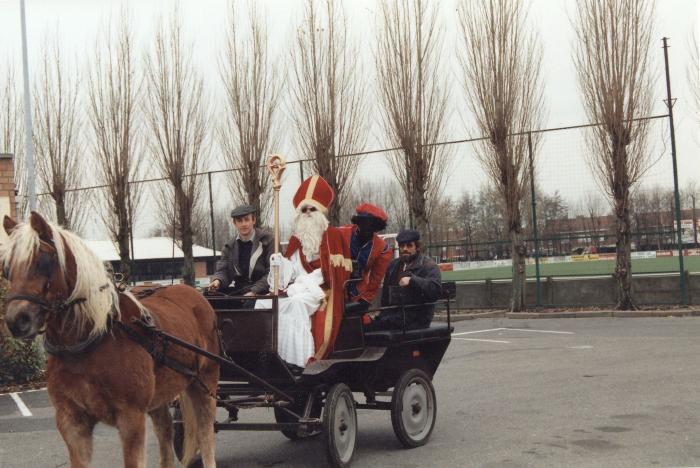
163 427
204 413
131 424
76 429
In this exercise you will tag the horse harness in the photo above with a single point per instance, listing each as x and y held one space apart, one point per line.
46 262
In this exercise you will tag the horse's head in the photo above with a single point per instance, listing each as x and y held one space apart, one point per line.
31 263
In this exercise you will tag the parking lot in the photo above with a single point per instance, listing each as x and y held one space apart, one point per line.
552 392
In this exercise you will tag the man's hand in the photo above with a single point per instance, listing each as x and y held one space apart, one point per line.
214 285
249 293
403 282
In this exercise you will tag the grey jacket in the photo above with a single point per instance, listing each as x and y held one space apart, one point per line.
227 268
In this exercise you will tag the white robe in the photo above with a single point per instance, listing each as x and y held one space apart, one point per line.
295 343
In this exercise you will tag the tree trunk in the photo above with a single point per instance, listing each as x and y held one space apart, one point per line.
517 300
61 214
188 259
623 263
124 252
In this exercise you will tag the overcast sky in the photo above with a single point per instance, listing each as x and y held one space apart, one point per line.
561 166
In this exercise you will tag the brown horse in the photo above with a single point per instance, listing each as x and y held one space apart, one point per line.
95 373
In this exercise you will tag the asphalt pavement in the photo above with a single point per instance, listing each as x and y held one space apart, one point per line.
610 392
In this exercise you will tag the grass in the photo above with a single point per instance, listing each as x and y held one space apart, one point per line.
598 267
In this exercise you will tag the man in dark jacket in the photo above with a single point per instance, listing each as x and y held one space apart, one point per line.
245 259
411 281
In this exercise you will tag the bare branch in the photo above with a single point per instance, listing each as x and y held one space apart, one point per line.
113 93
612 60
328 98
248 133
413 94
501 63
58 141
177 114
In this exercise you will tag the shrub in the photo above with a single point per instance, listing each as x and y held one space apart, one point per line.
21 361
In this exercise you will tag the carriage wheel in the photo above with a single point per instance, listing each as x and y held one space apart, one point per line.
282 416
413 408
339 425
179 438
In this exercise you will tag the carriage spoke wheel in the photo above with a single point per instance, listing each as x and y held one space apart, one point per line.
413 408
339 425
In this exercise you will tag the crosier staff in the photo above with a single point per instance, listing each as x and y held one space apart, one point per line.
276 165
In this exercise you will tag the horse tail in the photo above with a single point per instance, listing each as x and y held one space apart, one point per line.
190 446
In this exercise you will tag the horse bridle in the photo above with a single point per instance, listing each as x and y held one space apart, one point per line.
45 264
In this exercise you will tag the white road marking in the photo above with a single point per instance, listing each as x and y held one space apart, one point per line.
513 329
581 347
539 331
477 339
477 331
20 404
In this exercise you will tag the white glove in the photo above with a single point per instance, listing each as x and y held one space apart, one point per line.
276 259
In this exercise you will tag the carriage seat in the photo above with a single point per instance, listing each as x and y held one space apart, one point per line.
385 337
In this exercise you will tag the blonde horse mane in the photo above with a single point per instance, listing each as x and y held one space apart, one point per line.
92 282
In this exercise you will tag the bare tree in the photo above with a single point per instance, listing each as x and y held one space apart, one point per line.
12 136
693 72
612 60
501 64
177 114
328 104
113 93
248 133
58 142
413 95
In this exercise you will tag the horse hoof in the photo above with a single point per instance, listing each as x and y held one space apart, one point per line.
196 463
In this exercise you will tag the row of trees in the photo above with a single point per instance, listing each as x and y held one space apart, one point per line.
158 106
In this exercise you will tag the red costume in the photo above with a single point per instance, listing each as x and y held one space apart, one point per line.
378 258
334 262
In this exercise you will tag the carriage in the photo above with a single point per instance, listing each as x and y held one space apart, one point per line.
393 370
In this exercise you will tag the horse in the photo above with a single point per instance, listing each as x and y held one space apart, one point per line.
96 370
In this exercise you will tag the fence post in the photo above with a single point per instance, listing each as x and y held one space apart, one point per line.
676 193
538 294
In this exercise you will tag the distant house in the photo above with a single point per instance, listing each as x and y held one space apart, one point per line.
158 259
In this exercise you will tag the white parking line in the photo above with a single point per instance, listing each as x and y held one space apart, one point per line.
477 339
540 331
20 404
514 329
477 331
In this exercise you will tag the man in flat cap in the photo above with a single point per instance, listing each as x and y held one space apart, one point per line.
245 259
411 280
369 253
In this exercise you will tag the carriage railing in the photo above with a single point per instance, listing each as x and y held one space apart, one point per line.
447 295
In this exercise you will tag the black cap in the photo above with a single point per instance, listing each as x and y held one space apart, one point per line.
407 235
242 210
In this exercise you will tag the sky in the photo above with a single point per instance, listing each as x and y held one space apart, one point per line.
561 162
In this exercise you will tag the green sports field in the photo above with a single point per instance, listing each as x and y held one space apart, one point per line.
597 267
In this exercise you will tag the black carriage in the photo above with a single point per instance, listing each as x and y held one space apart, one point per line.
392 369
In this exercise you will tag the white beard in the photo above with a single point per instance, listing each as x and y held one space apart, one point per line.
309 230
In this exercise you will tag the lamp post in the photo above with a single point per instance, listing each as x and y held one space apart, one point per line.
29 148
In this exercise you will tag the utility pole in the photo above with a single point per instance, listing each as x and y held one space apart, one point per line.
29 136
676 194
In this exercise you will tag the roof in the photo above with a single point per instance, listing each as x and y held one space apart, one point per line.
150 248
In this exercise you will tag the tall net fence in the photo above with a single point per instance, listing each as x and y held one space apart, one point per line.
570 221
